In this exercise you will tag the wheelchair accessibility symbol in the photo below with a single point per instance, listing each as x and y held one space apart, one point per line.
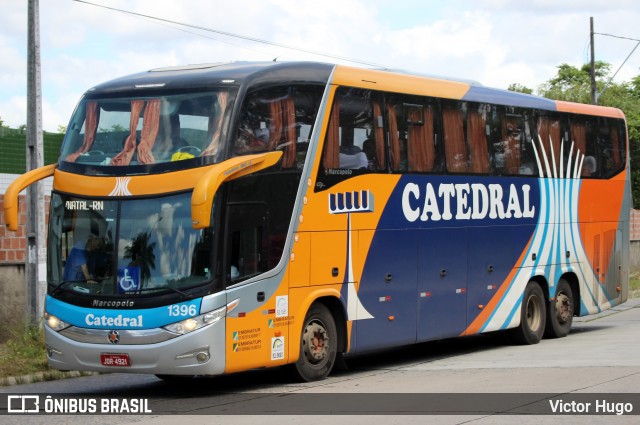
128 279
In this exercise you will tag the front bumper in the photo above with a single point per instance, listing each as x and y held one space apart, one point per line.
201 352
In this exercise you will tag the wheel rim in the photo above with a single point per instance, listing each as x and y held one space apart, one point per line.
315 342
564 310
534 313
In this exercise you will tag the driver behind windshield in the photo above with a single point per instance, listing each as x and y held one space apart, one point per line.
169 142
77 267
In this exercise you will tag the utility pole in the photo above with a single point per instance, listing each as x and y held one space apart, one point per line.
594 95
35 269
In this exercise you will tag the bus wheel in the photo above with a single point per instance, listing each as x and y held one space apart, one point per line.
318 345
560 312
532 316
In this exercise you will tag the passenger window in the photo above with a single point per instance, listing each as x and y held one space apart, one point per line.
467 130
278 118
355 138
548 140
611 145
412 135
513 148
455 147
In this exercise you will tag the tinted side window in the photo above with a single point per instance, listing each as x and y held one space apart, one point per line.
413 138
278 118
355 137
467 130
610 140
512 142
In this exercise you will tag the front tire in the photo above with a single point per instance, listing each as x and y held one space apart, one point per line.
532 316
318 345
560 312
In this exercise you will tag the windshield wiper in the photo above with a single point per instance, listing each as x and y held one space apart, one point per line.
160 288
61 286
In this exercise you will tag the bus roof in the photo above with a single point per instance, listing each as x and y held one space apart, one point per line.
402 82
264 73
215 74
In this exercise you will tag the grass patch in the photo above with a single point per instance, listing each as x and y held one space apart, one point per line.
634 285
22 351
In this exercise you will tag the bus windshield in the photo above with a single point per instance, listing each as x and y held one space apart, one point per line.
146 129
152 248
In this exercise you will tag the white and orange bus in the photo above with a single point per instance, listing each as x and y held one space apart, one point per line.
217 218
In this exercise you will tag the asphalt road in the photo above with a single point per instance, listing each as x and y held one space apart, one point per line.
479 380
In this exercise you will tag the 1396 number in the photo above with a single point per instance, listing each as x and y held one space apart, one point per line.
182 310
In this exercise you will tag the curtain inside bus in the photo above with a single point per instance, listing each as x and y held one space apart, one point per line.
394 138
478 146
420 139
512 138
92 115
332 149
549 133
455 148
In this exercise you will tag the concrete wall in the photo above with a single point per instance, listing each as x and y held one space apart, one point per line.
634 253
12 293
13 247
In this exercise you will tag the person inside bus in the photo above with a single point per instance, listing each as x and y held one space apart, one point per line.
404 160
169 142
352 157
590 166
369 149
76 267
250 141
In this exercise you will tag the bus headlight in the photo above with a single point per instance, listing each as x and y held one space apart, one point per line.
54 323
193 323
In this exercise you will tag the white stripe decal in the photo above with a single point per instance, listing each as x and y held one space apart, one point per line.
557 233
122 187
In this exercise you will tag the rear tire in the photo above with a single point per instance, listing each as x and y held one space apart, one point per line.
560 312
318 345
532 316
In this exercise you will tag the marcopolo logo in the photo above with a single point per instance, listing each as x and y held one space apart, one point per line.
466 201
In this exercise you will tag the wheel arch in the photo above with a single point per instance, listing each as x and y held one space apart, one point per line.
336 309
574 284
330 298
543 283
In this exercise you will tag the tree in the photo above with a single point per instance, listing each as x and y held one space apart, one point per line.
1 122
520 88
574 85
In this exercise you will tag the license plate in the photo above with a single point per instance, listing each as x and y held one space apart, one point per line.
121 360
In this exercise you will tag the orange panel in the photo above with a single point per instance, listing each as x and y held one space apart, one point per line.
398 83
581 108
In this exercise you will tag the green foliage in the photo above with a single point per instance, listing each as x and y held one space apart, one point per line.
13 142
634 285
23 351
520 88
574 85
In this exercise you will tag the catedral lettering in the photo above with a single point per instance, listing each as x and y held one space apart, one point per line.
468 202
119 320
237 204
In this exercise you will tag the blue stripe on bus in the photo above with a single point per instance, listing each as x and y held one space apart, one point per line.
100 318
505 97
442 263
